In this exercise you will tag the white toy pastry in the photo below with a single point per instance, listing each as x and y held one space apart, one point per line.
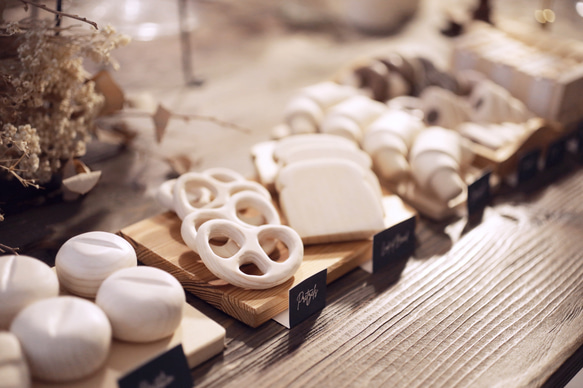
437 158
219 188
351 117
23 280
143 304
305 111
246 208
63 338
249 240
14 371
388 140
443 108
84 261
491 103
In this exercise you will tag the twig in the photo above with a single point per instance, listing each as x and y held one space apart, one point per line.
6 248
58 13
220 122
187 118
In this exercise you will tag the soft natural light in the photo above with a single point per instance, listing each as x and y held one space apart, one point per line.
579 8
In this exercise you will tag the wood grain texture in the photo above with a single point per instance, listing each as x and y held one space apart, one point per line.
497 305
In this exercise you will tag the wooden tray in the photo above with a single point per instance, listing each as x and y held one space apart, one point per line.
158 243
124 357
504 161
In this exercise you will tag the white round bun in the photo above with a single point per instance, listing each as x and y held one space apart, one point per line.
143 304
63 338
84 261
23 280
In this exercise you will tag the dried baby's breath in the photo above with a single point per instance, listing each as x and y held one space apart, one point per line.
48 103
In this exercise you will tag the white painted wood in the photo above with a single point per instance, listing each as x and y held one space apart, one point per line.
437 157
306 110
64 338
327 200
264 213
14 371
220 189
84 261
388 140
143 304
272 273
23 280
351 117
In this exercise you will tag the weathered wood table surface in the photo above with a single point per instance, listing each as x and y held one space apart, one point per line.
497 303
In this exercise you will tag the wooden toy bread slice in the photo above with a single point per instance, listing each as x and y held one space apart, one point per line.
328 200
267 155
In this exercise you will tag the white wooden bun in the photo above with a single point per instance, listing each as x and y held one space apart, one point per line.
23 280
13 367
84 261
63 338
143 304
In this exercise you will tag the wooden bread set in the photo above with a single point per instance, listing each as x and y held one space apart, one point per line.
386 139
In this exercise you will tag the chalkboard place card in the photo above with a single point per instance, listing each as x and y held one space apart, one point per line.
393 244
168 370
555 154
479 194
305 299
528 165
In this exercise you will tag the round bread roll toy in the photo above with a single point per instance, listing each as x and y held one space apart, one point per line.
84 261
23 280
63 338
14 371
143 304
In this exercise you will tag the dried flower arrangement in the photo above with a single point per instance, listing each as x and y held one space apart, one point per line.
48 102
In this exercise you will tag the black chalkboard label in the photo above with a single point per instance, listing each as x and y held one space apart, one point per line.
556 153
479 194
307 298
528 165
169 370
394 243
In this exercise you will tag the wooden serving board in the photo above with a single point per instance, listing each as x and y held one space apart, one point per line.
158 243
200 336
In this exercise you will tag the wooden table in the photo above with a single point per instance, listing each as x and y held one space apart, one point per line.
494 303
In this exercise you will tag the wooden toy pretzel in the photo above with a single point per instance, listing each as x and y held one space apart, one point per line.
272 273
220 187
245 200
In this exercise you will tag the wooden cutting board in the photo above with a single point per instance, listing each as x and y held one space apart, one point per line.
158 243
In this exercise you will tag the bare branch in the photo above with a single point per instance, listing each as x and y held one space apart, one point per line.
58 13
7 249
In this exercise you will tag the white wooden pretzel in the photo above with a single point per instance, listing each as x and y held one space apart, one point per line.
219 187
231 211
249 240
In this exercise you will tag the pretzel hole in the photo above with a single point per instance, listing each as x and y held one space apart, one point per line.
276 249
198 196
223 246
251 216
223 177
250 269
